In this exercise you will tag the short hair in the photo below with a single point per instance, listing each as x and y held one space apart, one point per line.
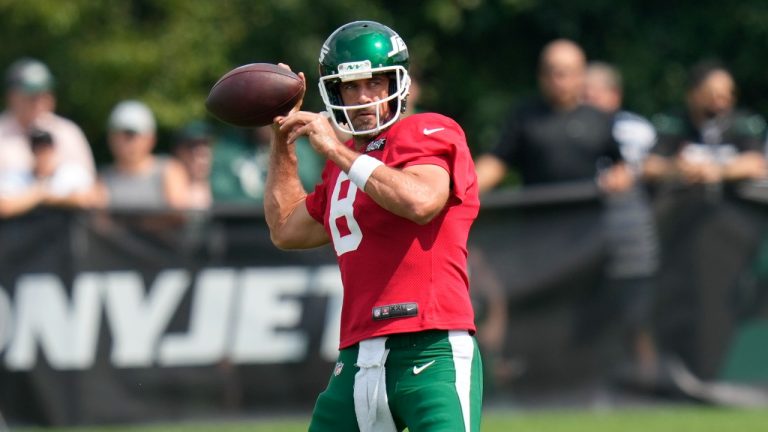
702 70
611 74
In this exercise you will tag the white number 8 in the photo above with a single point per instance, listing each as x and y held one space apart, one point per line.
342 209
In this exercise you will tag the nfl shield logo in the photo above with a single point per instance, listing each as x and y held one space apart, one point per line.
338 368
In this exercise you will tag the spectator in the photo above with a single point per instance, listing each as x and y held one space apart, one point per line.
51 182
634 134
702 151
138 178
630 228
554 139
30 104
193 148
240 172
557 138
712 142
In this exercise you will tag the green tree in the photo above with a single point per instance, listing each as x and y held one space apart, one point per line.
475 58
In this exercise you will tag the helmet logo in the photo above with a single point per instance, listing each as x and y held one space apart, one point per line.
398 45
323 51
355 70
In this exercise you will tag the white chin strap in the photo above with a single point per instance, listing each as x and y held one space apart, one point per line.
403 84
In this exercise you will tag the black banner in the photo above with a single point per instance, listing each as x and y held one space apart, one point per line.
120 317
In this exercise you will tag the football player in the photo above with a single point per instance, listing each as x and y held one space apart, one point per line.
396 201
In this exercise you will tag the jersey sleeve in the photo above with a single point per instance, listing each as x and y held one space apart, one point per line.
433 139
317 199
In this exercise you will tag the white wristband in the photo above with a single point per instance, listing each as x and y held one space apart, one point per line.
361 170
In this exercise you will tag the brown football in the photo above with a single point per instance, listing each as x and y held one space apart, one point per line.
252 95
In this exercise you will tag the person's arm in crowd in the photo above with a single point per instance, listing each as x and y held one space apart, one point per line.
490 171
86 199
176 185
21 203
658 168
616 175
747 165
491 167
616 179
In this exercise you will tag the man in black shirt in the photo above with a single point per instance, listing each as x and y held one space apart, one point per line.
555 141
556 138
706 230
712 142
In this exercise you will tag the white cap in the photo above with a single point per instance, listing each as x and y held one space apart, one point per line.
132 115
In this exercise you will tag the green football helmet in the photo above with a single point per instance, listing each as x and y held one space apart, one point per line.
357 51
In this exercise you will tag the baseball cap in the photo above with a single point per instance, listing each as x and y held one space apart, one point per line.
194 132
29 75
133 116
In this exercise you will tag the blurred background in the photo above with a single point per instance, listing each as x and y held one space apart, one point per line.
118 306
475 57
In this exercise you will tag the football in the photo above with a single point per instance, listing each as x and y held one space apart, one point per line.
252 95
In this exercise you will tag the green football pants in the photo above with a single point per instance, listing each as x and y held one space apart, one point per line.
434 383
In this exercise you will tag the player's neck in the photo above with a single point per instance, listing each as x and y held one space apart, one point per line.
362 141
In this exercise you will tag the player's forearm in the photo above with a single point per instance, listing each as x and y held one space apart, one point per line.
283 191
408 194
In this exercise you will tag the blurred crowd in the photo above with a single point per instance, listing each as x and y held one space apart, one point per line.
46 160
576 130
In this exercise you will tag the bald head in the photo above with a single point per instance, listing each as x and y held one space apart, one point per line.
561 73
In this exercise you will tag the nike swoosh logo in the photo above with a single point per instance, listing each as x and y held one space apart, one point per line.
418 369
431 131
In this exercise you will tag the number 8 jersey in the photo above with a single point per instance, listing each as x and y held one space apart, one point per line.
400 276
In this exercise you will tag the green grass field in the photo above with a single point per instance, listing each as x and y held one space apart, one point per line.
639 420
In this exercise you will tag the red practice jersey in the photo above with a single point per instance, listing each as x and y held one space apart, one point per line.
400 276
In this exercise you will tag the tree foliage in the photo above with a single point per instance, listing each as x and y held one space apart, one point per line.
474 58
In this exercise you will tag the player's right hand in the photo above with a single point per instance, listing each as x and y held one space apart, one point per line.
315 126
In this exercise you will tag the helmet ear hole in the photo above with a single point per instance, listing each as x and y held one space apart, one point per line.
393 89
335 98
392 83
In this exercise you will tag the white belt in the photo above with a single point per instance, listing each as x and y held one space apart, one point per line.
370 393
